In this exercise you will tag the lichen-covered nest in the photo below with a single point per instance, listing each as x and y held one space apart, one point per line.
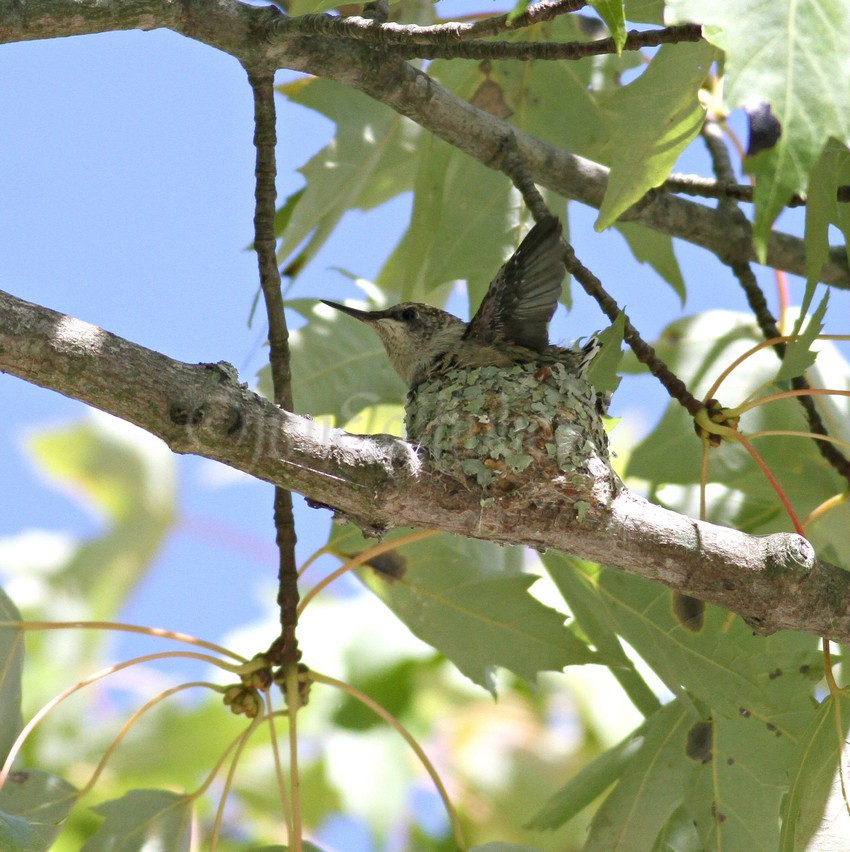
489 424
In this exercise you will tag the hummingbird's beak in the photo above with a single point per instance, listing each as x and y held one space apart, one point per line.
363 316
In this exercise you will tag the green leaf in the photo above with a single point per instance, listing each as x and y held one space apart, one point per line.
450 239
143 819
651 121
583 599
590 783
800 68
656 249
603 369
393 687
17 835
737 791
11 667
678 834
613 13
34 804
339 365
814 814
453 238
650 787
822 208
724 665
369 161
455 594
129 476
645 11
798 353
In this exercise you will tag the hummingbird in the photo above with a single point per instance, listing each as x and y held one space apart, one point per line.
509 327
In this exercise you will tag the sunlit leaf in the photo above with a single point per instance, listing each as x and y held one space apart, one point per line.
613 13
143 819
822 208
798 353
651 121
645 11
724 665
814 814
586 605
603 369
368 161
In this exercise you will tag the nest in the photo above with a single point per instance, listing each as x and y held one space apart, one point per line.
497 426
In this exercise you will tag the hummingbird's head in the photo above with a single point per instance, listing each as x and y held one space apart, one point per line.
413 334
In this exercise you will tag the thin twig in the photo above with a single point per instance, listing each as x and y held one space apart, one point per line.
285 648
525 50
513 166
702 187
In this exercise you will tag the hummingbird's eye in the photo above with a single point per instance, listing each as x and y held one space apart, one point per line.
408 314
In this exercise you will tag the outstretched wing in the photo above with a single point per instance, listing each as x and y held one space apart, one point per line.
522 297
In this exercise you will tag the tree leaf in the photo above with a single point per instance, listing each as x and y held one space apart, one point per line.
656 249
603 369
17 835
650 787
738 788
456 595
814 814
697 349
588 784
143 819
801 69
613 13
369 160
651 121
798 353
724 665
35 803
449 237
11 667
822 208
129 476
339 365
582 597
467 219
645 11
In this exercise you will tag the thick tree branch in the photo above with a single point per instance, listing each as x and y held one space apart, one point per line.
773 582
265 38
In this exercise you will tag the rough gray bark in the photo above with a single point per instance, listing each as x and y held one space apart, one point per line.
773 582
